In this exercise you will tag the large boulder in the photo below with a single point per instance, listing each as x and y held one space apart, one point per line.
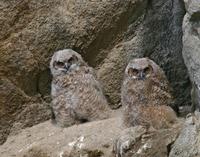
93 139
47 140
191 47
188 142
138 142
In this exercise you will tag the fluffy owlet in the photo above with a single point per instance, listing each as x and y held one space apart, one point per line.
146 95
77 96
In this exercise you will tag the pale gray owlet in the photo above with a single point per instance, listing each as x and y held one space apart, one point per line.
146 95
77 96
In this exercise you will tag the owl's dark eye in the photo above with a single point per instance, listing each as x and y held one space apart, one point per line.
73 59
132 72
59 64
147 70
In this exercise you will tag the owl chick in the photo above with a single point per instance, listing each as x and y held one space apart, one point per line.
146 95
77 96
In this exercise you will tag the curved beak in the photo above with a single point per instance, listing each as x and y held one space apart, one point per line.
141 75
67 66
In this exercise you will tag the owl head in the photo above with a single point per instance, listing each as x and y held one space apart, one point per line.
142 69
65 61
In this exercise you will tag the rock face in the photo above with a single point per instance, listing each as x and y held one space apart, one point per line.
33 31
161 41
11 99
156 34
191 46
18 110
188 142
106 33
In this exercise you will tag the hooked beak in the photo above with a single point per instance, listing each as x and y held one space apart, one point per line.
66 67
141 75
